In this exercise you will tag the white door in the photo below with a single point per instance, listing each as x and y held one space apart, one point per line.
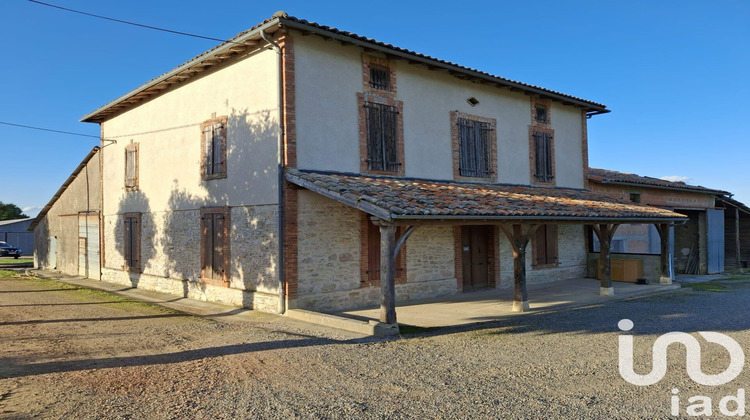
88 245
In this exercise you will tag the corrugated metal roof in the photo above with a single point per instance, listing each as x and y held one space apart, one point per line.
605 176
399 198
251 37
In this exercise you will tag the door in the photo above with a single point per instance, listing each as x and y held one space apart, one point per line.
475 255
715 228
88 245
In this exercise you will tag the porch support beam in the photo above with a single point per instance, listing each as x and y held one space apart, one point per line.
519 236
666 272
387 274
605 232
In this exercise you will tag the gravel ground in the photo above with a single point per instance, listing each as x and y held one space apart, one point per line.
73 353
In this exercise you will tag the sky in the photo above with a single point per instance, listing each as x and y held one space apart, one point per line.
672 72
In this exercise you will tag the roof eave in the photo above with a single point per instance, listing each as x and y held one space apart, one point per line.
660 187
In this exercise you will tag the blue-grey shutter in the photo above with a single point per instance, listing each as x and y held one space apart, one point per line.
715 228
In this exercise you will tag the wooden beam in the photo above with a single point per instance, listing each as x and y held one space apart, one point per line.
519 236
665 267
387 274
605 232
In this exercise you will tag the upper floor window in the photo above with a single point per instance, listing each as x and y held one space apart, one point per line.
380 77
214 148
541 114
635 197
474 148
543 151
131 167
383 137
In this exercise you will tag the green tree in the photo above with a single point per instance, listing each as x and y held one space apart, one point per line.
11 211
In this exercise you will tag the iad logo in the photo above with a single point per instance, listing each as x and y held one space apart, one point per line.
699 405
693 357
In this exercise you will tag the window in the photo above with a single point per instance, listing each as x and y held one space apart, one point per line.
380 77
544 251
382 137
132 242
543 157
474 145
370 261
541 114
635 197
214 149
215 246
131 167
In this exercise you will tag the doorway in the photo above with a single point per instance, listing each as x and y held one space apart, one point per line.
475 252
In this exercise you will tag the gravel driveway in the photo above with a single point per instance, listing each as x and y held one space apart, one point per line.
73 353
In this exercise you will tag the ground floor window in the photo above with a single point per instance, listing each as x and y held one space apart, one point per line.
132 241
544 246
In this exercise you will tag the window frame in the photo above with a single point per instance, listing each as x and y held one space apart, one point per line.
214 125
547 177
365 103
132 242
212 214
491 125
131 152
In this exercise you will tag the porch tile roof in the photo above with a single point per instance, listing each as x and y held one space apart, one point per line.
404 198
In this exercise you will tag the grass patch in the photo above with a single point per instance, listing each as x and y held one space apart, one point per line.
709 286
6 274
16 261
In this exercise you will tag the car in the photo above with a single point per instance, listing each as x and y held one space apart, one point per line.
7 250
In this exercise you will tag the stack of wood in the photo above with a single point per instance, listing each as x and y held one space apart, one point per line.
692 265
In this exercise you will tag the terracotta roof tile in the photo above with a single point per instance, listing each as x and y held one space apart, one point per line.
400 198
606 176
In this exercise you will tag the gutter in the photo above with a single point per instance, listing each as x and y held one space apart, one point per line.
280 168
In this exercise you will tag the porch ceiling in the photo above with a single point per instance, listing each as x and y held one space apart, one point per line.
399 199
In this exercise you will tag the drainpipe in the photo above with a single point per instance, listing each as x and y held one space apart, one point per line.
280 170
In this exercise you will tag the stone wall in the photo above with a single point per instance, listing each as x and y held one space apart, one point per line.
329 259
571 258
170 255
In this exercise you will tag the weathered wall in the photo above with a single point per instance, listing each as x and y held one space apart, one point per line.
171 191
428 98
658 197
61 222
329 259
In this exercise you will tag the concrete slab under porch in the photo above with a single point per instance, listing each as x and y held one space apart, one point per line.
494 304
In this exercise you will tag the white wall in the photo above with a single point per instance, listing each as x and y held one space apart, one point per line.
329 75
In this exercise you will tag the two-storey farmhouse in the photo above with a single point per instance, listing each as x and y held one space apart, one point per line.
300 166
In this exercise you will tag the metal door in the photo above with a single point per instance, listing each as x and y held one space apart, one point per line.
715 228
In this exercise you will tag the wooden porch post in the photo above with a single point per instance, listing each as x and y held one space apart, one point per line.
605 232
738 248
666 274
519 238
387 274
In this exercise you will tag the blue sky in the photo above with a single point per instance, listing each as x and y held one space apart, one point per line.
672 72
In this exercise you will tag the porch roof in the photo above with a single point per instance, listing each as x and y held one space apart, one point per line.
394 199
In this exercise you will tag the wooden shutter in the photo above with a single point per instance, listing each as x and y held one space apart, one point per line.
207 245
208 150
382 137
127 236
130 167
543 156
475 158
545 245
217 148
218 246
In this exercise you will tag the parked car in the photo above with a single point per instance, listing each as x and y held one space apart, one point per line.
6 250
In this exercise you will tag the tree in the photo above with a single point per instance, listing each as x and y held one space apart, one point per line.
11 211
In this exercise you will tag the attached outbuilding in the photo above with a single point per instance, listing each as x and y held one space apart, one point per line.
66 231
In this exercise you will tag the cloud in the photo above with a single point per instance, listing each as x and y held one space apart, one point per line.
32 211
675 178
